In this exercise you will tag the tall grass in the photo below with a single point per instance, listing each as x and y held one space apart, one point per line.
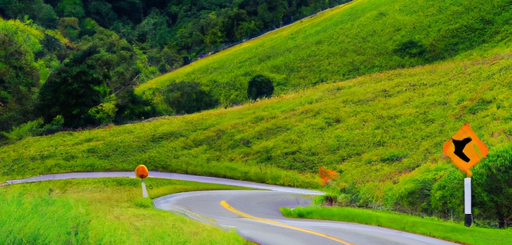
101 211
451 231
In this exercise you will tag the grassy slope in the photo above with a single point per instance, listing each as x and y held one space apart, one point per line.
345 42
380 131
106 211
451 231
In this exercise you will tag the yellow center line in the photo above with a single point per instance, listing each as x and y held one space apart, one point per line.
228 207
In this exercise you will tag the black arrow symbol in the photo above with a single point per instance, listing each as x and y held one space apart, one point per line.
459 147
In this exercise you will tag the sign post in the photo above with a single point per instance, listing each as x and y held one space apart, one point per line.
142 172
465 150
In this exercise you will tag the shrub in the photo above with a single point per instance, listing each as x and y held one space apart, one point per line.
56 125
492 186
411 49
260 87
326 175
188 97
28 129
103 113
131 107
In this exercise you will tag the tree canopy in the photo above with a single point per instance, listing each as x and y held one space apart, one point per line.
77 60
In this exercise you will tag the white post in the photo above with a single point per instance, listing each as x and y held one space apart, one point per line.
144 191
467 202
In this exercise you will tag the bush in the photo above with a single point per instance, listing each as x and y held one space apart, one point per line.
447 195
131 107
103 113
260 87
411 49
32 128
492 187
28 129
188 97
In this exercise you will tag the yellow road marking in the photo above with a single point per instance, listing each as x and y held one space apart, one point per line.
228 207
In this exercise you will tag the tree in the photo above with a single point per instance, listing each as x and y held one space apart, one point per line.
19 72
260 87
73 90
42 14
102 13
71 8
104 65
154 30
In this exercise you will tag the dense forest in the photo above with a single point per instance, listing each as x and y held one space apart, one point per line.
74 63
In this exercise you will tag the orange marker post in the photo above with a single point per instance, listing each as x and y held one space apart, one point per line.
142 172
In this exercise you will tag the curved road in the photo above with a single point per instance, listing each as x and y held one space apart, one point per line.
255 214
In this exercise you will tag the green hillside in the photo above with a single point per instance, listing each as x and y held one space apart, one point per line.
362 37
383 133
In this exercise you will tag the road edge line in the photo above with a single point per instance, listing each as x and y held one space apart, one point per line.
228 207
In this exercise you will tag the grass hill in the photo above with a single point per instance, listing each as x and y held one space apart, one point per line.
362 37
382 132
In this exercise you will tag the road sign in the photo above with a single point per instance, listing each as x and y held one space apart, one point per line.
465 149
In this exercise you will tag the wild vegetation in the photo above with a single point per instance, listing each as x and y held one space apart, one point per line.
107 47
101 211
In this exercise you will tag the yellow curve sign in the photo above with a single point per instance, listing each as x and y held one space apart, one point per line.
465 149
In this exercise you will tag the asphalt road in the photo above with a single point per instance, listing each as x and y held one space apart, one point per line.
255 214
258 219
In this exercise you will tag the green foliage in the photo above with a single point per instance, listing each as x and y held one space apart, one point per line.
69 27
447 195
154 30
410 49
105 65
450 231
492 185
26 130
88 27
56 125
73 90
103 113
36 10
71 8
260 87
102 13
19 72
34 128
187 97
131 107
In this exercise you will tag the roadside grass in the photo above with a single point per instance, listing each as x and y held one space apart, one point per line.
361 37
102 211
446 230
